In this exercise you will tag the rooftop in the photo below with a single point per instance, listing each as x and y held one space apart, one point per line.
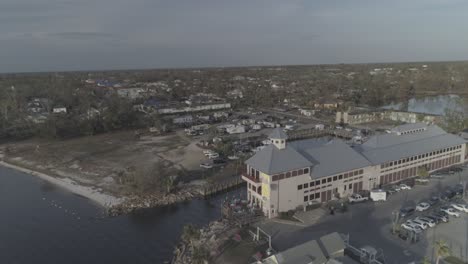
278 133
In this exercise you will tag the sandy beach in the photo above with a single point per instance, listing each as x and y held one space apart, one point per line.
68 184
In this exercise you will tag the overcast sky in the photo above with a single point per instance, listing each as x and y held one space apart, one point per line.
43 35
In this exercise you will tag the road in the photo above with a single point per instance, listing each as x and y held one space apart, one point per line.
370 224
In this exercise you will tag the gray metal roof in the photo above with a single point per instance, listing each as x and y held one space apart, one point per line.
278 133
306 253
390 147
407 127
330 157
333 244
271 160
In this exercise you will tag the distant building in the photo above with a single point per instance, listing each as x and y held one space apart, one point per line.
195 108
187 119
360 116
307 112
58 110
236 129
326 105
285 176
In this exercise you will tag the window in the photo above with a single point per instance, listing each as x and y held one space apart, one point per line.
346 175
399 162
361 171
335 178
282 141
306 171
311 197
294 173
306 185
317 182
324 181
340 177
257 173
312 184
275 177
350 186
299 187
344 187
355 173
300 172
281 176
306 198
317 195
276 141
329 179
288 174
391 163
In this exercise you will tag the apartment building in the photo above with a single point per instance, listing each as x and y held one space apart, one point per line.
286 175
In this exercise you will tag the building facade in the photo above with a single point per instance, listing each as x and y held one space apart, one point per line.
288 175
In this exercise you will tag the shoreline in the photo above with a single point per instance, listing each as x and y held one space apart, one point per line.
103 200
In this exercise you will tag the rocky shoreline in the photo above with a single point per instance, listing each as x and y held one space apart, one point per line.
132 204
211 239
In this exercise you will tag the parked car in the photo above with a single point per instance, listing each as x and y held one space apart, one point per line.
436 220
460 207
233 157
411 227
404 187
440 216
357 198
423 225
422 206
428 221
206 165
450 211
404 212
219 161
434 200
397 188
213 155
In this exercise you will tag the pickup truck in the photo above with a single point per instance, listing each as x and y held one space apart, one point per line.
357 198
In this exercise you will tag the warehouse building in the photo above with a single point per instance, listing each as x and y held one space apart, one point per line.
286 175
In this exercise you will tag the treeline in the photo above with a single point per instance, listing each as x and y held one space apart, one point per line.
89 111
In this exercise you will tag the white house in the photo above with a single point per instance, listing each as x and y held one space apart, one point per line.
58 110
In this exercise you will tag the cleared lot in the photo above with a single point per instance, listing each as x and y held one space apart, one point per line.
371 223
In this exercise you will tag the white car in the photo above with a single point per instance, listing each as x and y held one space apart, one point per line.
417 222
450 211
411 227
460 207
404 187
206 165
233 157
422 207
426 220
213 156
208 152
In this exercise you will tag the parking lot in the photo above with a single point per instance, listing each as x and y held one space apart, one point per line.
370 223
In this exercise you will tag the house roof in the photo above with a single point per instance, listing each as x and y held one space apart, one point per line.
333 244
330 157
407 127
390 147
306 253
278 133
271 160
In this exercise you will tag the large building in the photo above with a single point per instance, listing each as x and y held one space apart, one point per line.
286 175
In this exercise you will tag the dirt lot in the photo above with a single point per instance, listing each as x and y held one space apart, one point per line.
98 160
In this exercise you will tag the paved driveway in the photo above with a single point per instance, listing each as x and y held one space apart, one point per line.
370 224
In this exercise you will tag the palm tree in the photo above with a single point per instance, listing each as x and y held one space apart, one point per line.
442 250
425 260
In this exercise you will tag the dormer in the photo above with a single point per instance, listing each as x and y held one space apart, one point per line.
278 138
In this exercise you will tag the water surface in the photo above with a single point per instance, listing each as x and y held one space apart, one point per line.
41 223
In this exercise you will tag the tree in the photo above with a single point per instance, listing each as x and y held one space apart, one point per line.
422 172
200 254
425 260
190 233
442 250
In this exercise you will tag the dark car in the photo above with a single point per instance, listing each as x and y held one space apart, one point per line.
407 211
440 216
434 200
434 218
219 161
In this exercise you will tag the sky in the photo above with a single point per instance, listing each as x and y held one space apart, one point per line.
66 35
